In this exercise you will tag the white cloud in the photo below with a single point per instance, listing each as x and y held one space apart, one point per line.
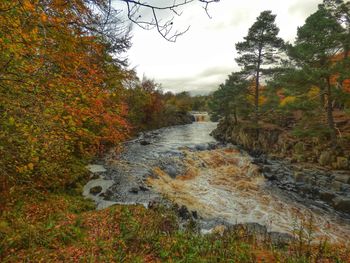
208 47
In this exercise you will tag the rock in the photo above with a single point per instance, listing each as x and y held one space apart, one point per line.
326 196
201 147
184 213
171 171
342 204
219 230
143 188
144 142
343 178
336 185
94 176
95 190
95 168
326 158
342 163
299 148
299 158
134 190
195 214
299 177
270 176
107 195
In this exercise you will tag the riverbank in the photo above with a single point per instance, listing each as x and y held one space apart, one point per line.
64 227
211 183
302 166
56 226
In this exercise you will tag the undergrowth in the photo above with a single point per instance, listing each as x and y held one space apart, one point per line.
61 227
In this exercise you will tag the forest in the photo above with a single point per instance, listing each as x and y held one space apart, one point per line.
68 96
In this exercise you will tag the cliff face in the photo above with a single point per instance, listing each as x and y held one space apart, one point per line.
278 142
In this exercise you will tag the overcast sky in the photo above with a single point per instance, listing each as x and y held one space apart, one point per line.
202 58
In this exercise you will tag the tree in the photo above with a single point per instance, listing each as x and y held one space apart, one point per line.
318 41
231 97
261 49
340 10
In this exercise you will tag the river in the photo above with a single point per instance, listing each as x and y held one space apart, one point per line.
185 165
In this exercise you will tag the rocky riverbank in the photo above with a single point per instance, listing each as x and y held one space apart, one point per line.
300 168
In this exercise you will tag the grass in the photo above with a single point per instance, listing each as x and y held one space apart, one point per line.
62 227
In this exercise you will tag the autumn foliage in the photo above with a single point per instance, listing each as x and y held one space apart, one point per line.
58 105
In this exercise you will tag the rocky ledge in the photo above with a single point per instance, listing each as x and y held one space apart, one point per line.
323 177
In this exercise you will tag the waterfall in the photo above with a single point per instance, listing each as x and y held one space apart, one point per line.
200 116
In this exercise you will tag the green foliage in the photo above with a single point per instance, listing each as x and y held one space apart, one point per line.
230 98
260 50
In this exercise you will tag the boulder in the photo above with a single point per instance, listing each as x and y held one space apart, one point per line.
184 213
134 190
342 163
342 204
299 177
343 178
326 158
326 196
95 190
336 186
219 230
144 142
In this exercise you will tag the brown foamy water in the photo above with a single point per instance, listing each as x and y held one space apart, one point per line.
224 184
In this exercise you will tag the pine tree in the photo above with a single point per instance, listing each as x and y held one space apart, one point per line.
318 41
260 50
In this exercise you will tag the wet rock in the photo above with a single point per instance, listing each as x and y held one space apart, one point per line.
299 177
144 142
184 213
280 239
270 176
201 147
171 171
343 178
95 168
134 190
336 186
342 204
94 176
326 196
107 195
95 190
143 188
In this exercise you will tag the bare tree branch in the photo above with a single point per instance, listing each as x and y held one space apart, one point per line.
164 28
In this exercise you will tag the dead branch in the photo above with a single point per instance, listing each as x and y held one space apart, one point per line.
164 28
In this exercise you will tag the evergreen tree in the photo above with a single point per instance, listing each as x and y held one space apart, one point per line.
318 41
260 50
231 97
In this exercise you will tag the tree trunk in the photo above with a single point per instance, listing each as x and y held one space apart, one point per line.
330 118
256 99
257 84
235 114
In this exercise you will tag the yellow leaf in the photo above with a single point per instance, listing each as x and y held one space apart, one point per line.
30 166
287 100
